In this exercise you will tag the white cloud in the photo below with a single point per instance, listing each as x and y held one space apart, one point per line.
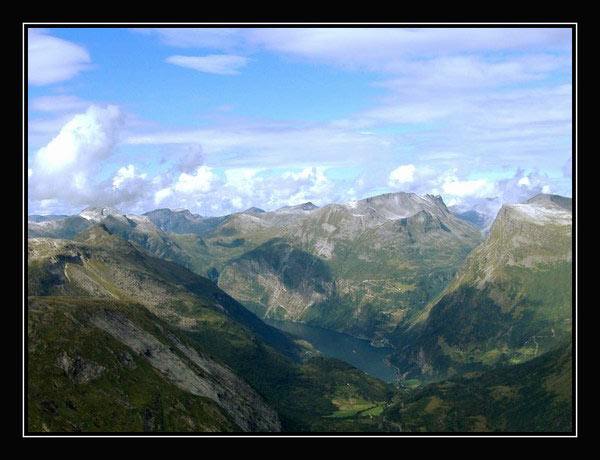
404 174
236 202
243 180
449 99
309 184
59 103
215 38
191 157
220 64
275 144
162 194
200 182
67 167
384 49
86 138
464 188
125 174
190 191
52 60
516 189
364 44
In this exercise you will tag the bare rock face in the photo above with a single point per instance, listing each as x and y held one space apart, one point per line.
290 279
193 373
79 370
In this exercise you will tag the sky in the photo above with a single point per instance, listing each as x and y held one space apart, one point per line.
217 120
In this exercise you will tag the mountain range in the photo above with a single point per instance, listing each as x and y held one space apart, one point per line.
175 301
510 302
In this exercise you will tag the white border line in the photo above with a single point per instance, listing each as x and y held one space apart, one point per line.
258 435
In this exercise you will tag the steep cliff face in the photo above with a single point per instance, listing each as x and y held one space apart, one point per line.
512 300
79 348
278 280
371 264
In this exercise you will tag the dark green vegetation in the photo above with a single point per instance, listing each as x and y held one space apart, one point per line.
82 379
197 349
153 322
532 396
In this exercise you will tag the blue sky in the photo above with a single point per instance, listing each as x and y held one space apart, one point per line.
218 120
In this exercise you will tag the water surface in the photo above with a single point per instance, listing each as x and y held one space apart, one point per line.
357 352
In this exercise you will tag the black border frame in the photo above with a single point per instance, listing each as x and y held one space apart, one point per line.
218 22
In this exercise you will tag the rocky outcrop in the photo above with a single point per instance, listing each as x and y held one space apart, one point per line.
79 370
193 373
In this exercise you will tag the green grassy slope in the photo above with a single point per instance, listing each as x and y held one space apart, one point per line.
102 269
128 394
532 396
511 301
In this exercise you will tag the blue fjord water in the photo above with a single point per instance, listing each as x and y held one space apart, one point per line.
357 352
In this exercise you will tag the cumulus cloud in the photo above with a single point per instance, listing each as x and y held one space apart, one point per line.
162 194
87 138
246 187
306 185
124 175
516 189
66 168
243 180
220 64
188 188
480 188
449 97
51 59
404 174
201 181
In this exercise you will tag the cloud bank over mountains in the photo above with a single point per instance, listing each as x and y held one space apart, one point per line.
479 116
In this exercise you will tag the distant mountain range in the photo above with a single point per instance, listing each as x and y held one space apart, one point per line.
349 284
170 305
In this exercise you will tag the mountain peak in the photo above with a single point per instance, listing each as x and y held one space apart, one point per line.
308 206
97 214
253 210
546 199
438 200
